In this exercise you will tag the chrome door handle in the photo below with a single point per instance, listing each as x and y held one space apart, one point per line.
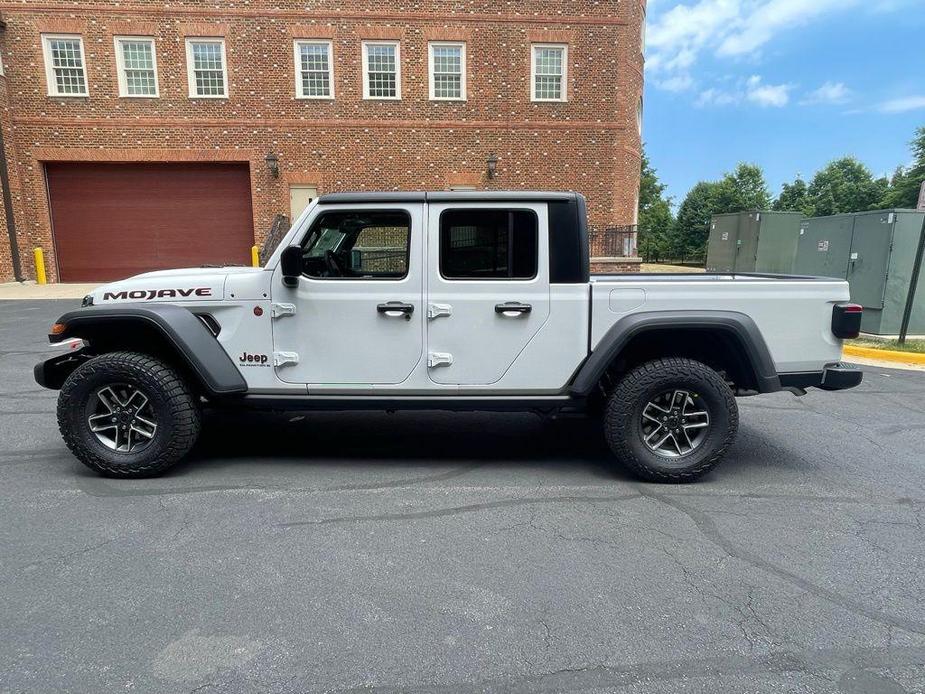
396 309
512 308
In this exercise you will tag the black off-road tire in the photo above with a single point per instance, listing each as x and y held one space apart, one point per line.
175 407
623 426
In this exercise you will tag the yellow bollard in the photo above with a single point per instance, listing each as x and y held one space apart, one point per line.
255 256
40 266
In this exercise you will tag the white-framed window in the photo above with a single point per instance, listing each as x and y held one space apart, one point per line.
639 115
642 33
65 66
314 69
381 70
548 72
136 65
447 69
206 68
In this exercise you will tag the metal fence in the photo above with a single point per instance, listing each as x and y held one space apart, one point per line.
613 242
278 230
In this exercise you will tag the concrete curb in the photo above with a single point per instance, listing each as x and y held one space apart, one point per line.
884 355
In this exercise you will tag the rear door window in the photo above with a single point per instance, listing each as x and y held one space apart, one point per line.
488 244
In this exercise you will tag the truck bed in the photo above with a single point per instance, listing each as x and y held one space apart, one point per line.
793 313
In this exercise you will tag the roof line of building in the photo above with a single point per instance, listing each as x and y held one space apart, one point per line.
317 124
401 17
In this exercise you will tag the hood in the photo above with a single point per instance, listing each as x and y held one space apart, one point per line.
186 284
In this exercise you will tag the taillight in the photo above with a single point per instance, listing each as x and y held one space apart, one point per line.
846 321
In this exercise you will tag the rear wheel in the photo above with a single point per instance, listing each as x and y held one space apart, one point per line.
671 420
125 414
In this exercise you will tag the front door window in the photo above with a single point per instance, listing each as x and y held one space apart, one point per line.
358 245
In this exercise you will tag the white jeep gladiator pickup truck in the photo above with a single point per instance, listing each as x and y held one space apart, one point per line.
443 300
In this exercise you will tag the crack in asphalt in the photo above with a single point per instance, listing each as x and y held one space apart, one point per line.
456 510
94 486
609 677
711 532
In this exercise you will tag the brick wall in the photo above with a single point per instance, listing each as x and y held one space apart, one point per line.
589 144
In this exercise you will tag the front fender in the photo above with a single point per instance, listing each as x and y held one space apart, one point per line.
182 332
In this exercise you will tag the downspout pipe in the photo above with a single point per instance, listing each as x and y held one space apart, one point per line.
8 209
8 200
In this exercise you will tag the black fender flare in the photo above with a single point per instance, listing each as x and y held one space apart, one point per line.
739 325
188 337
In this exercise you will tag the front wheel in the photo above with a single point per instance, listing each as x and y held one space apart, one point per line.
671 420
125 414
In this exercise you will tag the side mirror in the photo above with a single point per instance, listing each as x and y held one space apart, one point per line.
291 264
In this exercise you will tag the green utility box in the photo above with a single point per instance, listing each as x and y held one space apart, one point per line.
753 242
875 252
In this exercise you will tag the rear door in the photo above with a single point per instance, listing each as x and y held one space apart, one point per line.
487 287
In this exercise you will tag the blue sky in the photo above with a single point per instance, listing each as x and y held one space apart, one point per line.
787 84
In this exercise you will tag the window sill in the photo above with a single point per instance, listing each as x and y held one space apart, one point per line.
314 98
69 96
139 96
197 97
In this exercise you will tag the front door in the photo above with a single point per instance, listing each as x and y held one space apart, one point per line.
487 292
358 305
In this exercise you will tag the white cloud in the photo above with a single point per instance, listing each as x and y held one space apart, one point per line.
903 104
767 95
763 20
677 83
752 90
717 97
682 33
828 93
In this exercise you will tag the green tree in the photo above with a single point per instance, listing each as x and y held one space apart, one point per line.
693 224
742 189
906 183
845 185
793 197
655 218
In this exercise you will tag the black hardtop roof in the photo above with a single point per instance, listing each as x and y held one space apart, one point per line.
448 196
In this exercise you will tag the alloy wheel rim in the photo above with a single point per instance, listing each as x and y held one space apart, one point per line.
122 418
674 423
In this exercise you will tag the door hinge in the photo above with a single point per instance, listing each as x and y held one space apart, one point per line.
439 311
439 359
285 358
280 310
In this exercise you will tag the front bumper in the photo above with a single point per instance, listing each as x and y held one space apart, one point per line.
51 373
837 376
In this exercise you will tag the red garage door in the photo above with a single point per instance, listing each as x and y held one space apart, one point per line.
112 221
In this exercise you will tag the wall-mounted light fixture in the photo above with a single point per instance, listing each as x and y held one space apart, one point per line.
492 164
272 164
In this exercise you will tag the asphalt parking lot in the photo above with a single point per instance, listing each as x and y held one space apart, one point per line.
464 553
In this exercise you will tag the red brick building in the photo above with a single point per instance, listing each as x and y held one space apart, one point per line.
139 137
